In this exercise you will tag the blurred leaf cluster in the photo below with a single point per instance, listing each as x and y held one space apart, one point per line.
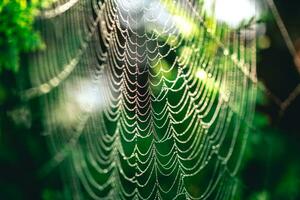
17 34
271 169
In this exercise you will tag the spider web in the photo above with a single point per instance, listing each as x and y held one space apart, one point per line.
144 99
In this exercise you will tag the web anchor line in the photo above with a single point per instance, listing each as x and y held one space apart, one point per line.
283 104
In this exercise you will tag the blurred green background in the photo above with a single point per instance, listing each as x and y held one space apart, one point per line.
271 168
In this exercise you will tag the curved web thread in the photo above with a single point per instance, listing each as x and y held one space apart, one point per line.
144 99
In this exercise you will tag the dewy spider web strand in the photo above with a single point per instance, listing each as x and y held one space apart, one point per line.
144 99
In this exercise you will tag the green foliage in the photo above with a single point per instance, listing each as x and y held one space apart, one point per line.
49 194
16 31
271 166
260 196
